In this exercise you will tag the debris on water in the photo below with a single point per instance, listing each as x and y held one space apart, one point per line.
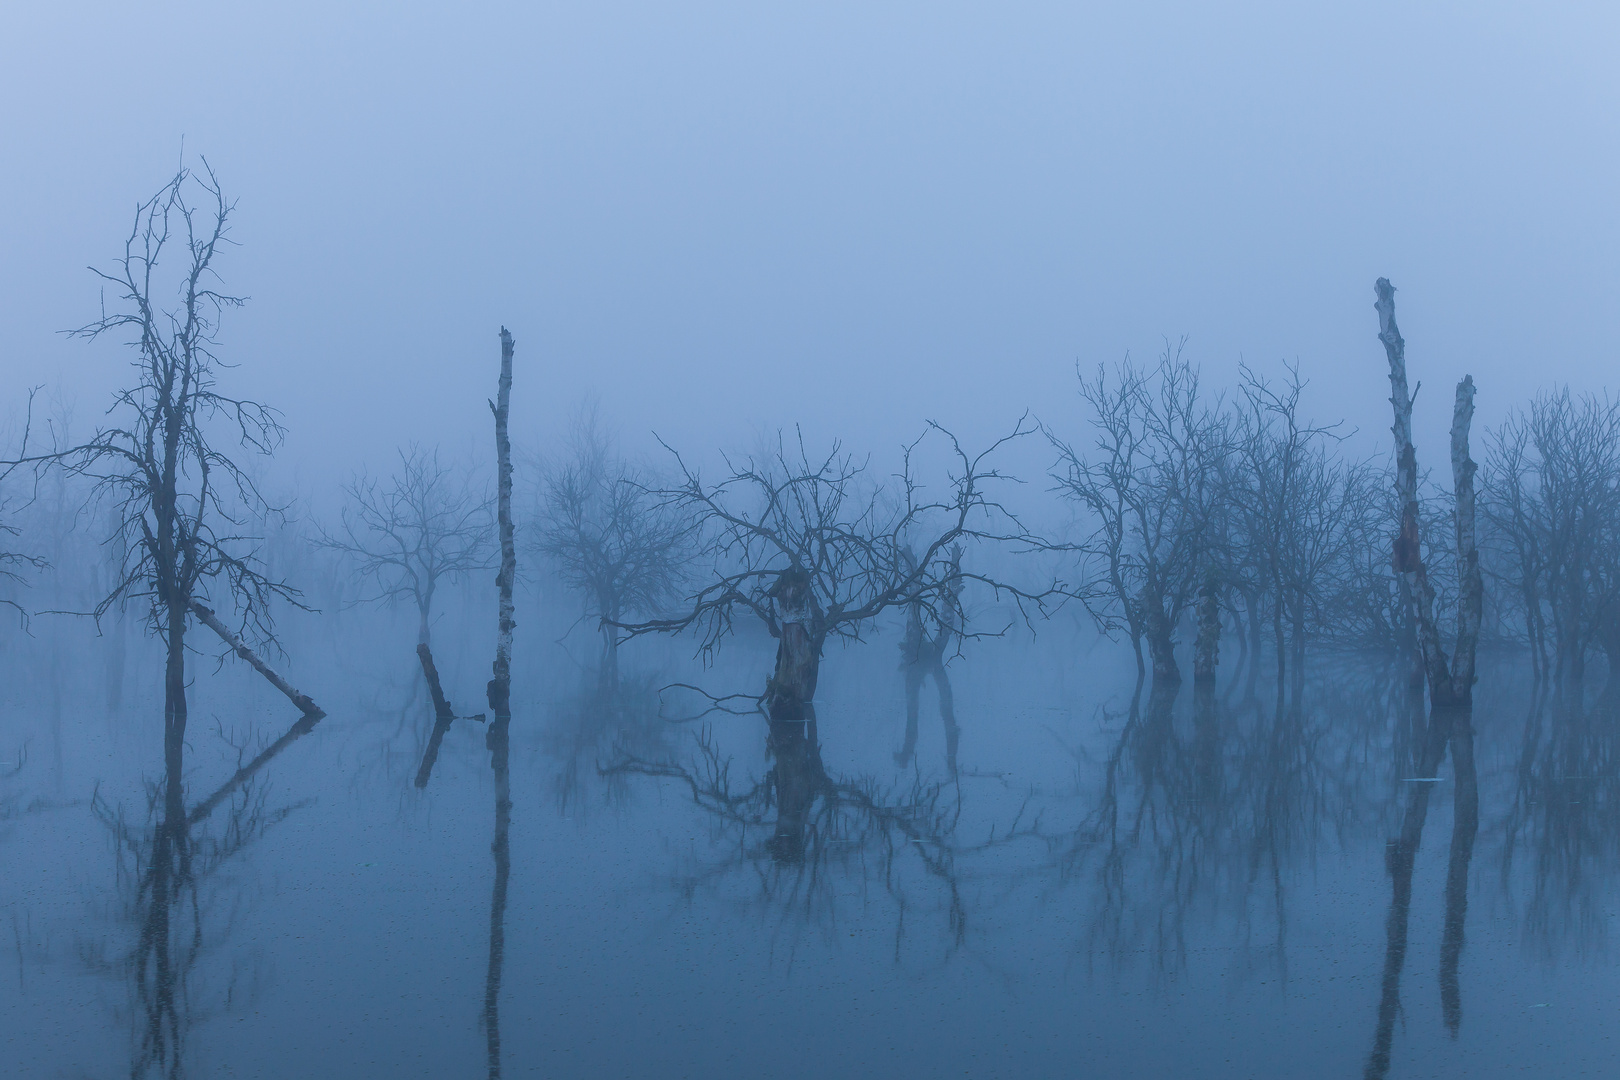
1421 779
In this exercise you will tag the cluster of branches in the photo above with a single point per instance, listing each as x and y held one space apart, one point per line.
612 539
419 528
1552 536
815 550
1182 494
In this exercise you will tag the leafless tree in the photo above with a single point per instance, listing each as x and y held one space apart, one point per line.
178 495
625 549
1150 487
923 651
426 525
14 565
1304 512
815 553
1552 486
1451 681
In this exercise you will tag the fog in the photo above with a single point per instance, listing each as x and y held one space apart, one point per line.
814 743
899 211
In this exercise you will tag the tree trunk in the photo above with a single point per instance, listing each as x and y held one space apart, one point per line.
1471 588
500 685
1207 645
239 647
1407 557
174 705
1161 643
792 687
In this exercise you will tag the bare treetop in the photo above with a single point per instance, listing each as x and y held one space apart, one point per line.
810 539
423 525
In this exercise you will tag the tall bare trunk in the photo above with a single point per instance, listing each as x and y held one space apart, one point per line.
500 686
1470 586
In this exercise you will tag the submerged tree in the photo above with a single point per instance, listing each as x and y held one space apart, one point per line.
163 460
1151 492
923 651
619 545
815 554
1451 681
426 525
1553 507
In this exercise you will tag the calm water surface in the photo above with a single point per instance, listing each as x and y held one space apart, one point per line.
1115 885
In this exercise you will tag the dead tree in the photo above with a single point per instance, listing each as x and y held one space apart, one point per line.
427 525
1554 513
614 541
815 553
1151 488
15 564
1451 682
177 493
923 651
500 684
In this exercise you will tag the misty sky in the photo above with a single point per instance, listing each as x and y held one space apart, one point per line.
721 218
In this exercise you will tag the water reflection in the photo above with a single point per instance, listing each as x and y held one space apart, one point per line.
167 867
498 742
801 833
1192 820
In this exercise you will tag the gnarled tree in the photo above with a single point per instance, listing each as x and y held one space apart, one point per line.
815 553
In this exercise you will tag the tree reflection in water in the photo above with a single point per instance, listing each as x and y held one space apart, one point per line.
802 832
166 868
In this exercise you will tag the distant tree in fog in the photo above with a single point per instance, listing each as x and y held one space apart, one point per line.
424 525
1150 492
1552 504
621 546
14 564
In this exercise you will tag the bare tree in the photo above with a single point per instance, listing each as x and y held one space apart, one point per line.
1151 488
815 554
923 651
426 525
1451 682
1303 512
617 543
178 495
15 564
1553 507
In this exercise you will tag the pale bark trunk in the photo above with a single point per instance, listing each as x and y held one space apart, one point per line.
500 685
1408 549
240 648
1471 588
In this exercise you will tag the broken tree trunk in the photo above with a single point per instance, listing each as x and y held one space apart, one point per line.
1470 587
238 646
500 686
1407 558
443 715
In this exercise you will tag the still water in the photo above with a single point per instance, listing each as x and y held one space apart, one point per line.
1114 884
